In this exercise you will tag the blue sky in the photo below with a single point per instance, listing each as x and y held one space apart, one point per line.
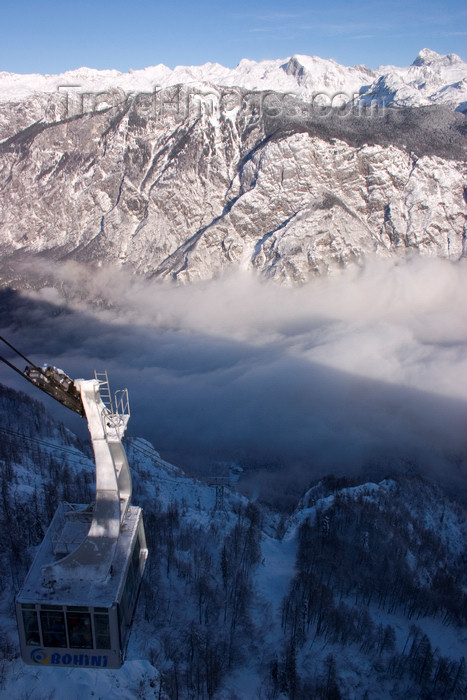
52 36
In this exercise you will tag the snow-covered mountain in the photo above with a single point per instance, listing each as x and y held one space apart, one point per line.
360 590
431 79
291 168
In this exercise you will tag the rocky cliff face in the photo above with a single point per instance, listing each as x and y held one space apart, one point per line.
184 182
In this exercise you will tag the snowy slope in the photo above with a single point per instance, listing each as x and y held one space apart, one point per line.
223 610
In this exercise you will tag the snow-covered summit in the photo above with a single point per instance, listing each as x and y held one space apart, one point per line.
427 57
314 74
432 78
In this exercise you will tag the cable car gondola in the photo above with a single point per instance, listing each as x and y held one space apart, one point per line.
77 602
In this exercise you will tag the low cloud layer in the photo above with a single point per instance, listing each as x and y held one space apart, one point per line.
360 372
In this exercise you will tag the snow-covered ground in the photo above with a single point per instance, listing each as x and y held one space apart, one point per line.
181 589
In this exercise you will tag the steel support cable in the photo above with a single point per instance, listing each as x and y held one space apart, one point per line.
143 443
16 369
130 440
12 347
25 376
143 448
44 443
69 451
72 402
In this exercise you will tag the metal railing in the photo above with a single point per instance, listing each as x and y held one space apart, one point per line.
116 412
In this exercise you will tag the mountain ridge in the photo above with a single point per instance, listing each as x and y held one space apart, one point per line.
302 75
290 195
307 168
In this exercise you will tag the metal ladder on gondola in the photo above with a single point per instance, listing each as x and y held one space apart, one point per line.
104 389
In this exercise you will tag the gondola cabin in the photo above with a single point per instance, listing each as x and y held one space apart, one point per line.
76 606
81 622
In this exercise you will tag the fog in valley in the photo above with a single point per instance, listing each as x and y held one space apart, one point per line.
362 372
